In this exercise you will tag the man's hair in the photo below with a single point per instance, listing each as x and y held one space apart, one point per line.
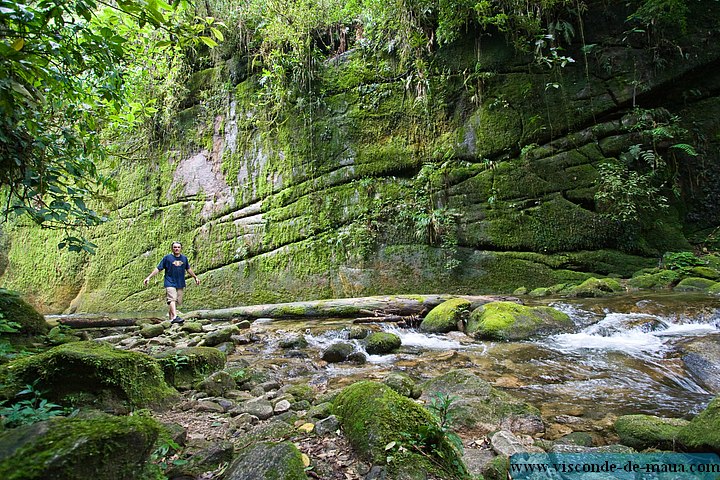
173 244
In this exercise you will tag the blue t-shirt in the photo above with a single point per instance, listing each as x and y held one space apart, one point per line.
174 270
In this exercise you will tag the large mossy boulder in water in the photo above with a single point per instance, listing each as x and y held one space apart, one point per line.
702 434
103 447
185 367
281 461
475 401
90 373
647 431
512 321
378 422
15 309
597 287
381 343
447 316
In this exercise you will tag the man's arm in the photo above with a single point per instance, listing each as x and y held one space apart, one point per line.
192 274
152 274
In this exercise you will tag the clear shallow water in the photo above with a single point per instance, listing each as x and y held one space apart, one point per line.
623 357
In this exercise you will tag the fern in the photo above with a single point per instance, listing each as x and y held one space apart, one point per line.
688 149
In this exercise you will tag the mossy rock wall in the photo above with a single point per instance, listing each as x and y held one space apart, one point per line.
372 192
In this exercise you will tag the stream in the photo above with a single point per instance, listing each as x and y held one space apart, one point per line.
624 357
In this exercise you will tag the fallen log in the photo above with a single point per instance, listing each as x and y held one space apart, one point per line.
401 305
96 322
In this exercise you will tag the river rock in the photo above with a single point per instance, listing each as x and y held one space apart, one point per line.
293 340
511 321
267 460
702 358
403 385
220 336
448 316
337 352
259 408
217 384
506 443
648 431
474 401
101 447
281 407
374 416
380 343
206 460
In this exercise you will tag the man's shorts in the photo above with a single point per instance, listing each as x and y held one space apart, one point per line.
174 295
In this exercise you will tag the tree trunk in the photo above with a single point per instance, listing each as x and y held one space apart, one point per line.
399 305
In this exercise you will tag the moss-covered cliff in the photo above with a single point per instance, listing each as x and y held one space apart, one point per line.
479 177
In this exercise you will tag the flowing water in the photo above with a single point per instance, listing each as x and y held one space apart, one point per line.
624 356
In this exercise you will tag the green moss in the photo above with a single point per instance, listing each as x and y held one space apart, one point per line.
511 321
646 431
373 415
703 431
15 309
184 367
102 448
107 374
446 316
663 279
379 343
597 287
694 284
705 272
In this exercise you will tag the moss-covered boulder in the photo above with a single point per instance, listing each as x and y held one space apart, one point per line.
337 352
664 279
647 431
103 447
378 422
694 284
61 334
714 289
281 461
15 309
596 287
512 321
403 384
184 367
90 373
703 431
475 401
705 272
447 316
380 343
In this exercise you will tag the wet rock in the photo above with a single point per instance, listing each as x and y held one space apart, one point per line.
267 460
380 343
228 348
702 358
358 332
505 443
702 433
293 340
358 358
648 431
337 352
511 321
244 324
192 327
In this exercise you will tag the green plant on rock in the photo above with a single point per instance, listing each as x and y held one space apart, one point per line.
30 407
682 262
433 440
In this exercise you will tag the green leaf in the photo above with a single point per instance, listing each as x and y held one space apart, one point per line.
208 41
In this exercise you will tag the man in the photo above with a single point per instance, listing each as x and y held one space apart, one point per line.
175 264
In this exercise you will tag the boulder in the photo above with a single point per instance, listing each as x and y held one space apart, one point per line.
265 460
702 434
387 428
701 357
217 384
596 287
694 284
511 321
380 343
184 367
98 374
337 352
446 317
15 309
647 431
103 447
475 401
403 385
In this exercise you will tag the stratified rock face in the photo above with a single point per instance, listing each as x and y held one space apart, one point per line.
480 191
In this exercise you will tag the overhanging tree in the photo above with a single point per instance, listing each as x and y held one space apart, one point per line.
61 75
